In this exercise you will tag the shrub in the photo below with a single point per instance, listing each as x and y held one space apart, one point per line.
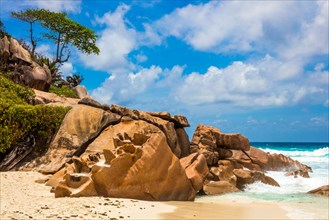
18 118
63 91
13 93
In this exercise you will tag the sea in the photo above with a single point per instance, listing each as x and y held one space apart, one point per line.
291 196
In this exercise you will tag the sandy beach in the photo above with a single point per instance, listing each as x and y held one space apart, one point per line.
23 198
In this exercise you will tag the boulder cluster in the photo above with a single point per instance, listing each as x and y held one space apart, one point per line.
24 70
103 150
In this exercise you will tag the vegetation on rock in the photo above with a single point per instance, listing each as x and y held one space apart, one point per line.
65 90
19 118
66 33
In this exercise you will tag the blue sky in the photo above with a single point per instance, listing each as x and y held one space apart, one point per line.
259 68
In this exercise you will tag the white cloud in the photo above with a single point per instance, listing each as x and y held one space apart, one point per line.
115 42
123 88
67 69
282 33
73 6
149 37
286 27
252 84
45 50
140 58
145 4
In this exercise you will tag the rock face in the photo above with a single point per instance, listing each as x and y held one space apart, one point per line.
120 153
166 126
103 150
257 159
45 98
80 126
134 154
196 169
245 177
215 145
323 191
81 91
219 187
25 71
233 163
18 53
133 171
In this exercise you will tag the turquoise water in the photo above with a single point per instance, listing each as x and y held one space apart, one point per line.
292 193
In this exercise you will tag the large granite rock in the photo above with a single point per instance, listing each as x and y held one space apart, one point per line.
81 91
180 121
35 76
90 102
245 177
215 145
183 142
81 125
46 98
24 70
147 171
257 159
196 169
119 134
4 49
18 53
166 126
219 187
223 172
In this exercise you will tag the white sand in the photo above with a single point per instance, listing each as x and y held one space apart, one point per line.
22 198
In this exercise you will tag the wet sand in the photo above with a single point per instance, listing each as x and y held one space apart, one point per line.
22 198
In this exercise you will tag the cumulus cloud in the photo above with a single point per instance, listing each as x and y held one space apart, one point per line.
67 69
123 88
235 26
148 86
253 84
115 42
73 6
279 33
45 49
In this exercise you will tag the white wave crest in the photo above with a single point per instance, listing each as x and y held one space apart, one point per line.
322 152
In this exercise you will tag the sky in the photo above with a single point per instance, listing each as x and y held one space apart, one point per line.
259 68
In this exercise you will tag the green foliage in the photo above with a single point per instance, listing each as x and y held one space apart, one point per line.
11 93
28 15
74 80
56 74
19 118
63 91
62 30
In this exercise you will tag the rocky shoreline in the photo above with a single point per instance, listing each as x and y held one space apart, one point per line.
113 151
